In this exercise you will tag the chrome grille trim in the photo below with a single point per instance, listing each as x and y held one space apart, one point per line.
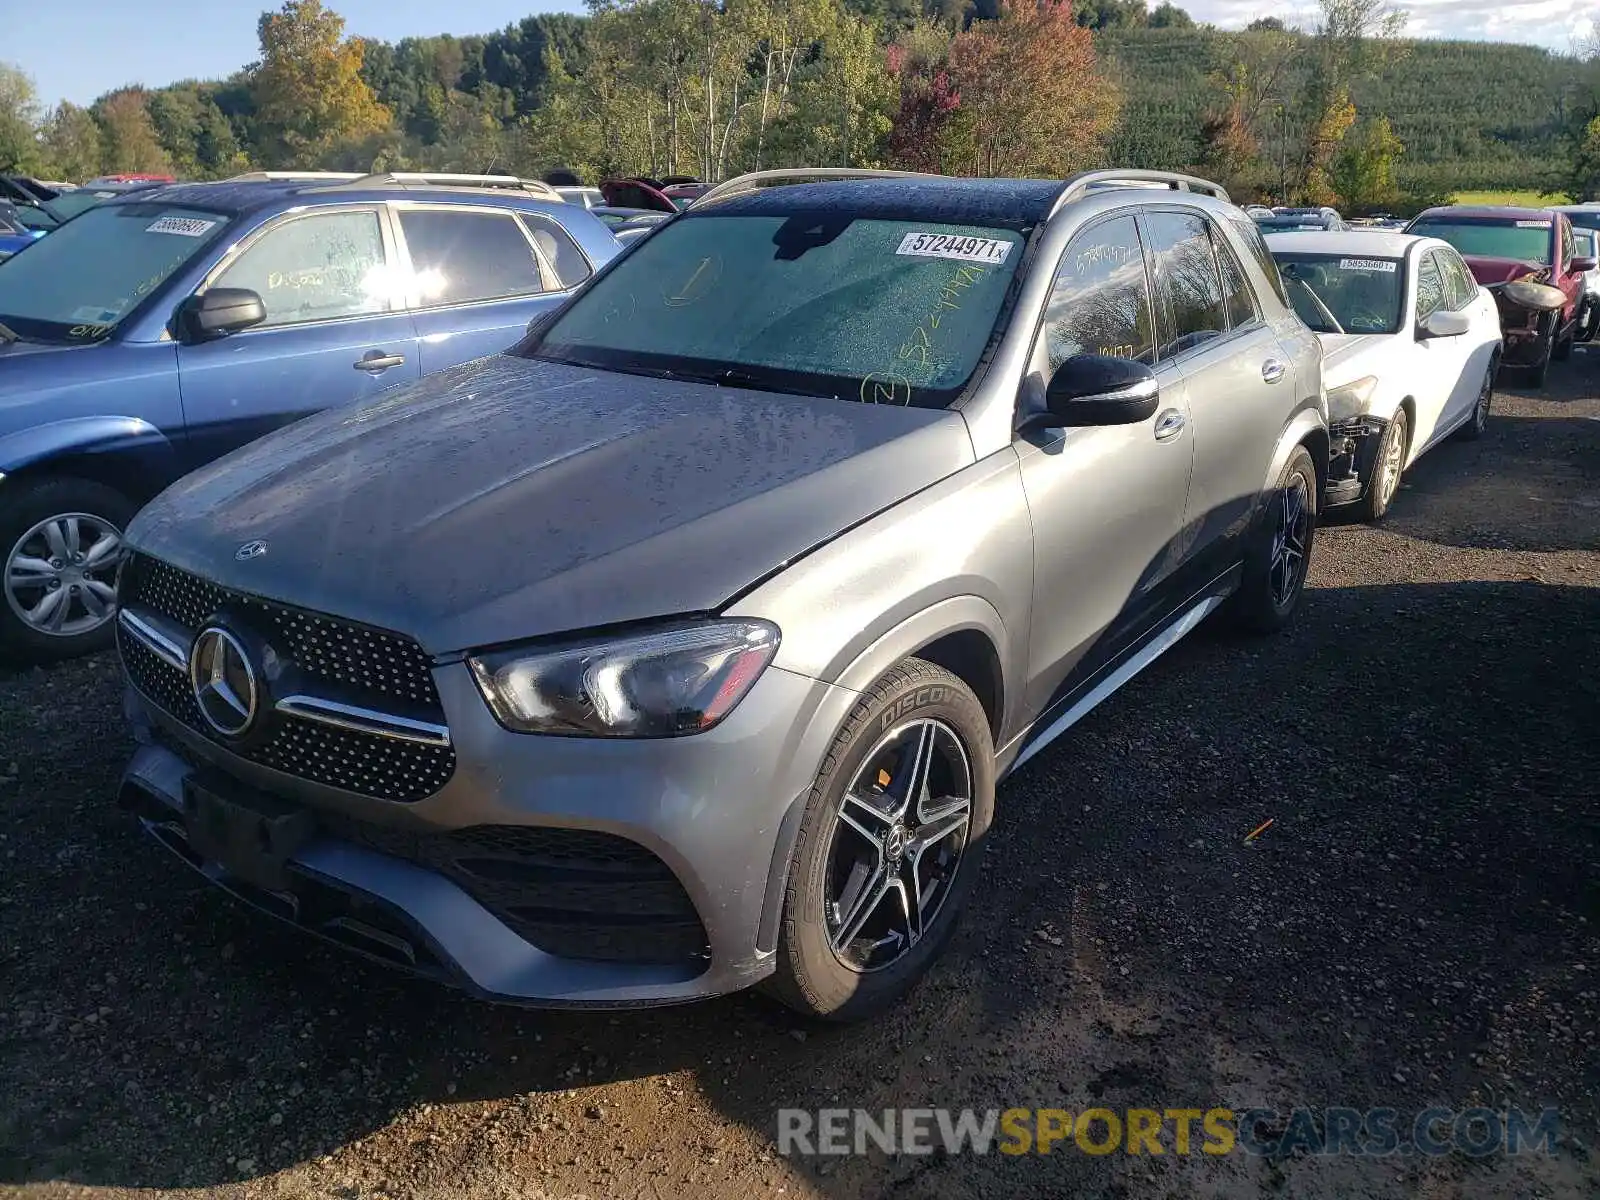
153 639
364 720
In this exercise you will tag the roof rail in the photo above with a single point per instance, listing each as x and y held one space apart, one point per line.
294 176
1084 182
755 180
380 179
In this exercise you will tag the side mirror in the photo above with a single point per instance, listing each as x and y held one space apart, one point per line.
218 311
1586 263
1096 389
1444 324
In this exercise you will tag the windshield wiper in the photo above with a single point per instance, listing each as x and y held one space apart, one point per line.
9 335
734 377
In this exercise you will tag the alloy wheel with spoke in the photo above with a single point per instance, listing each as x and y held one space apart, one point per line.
902 828
60 574
1291 537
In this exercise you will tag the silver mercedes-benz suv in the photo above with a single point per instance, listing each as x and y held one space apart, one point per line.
682 646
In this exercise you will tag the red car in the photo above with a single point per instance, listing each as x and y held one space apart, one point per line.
1528 259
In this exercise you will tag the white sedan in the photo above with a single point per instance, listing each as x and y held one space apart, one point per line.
1410 346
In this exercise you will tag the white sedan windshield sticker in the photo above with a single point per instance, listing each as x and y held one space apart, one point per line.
1366 264
989 251
1533 224
182 226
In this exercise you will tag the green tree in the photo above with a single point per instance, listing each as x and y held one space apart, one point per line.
1363 172
308 91
71 143
19 120
1167 15
127 134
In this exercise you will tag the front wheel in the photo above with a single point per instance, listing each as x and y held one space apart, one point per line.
1279 554
1387 469
888 847
62 540
1539 369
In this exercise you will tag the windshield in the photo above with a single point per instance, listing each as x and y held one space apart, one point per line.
885 311
1583 218
1362 295
83 280
1524 240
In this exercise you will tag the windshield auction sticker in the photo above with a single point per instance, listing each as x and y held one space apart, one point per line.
989 251
1367 264
1533 224
182 226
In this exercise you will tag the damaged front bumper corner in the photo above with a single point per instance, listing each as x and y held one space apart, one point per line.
1353 449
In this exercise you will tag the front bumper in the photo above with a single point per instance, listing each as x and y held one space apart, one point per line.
1353 450
716 812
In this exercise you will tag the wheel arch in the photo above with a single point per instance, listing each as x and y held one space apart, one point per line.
127 454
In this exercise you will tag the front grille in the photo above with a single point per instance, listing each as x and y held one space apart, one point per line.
334 651
387 669
573 893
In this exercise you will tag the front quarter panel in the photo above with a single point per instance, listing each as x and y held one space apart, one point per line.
956 556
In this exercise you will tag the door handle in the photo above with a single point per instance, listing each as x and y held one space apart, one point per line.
1272 370
1169 425
376 361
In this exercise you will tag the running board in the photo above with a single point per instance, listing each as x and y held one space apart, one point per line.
1152 650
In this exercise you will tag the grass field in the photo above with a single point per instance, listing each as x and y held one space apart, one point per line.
1517 199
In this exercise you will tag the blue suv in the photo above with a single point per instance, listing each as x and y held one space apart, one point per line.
155 332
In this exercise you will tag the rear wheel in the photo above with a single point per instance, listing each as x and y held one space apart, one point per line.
1279 555
62 541
1473 429
1387 468
888 848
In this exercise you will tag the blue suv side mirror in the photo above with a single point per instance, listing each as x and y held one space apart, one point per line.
219 311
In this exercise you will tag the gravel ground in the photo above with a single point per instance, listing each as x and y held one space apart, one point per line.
1420 925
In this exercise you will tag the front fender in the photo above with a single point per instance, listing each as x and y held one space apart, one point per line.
74 436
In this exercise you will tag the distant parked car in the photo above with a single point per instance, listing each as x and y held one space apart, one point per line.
1283 220
1528 258
685 194
14 235
638 193
630 223
1410 345
588 197
1588 243
161 329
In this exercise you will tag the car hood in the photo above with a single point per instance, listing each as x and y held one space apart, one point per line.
511 498
1500 270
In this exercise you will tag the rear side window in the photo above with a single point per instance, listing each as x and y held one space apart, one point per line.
1189 302
458 257
1238 300
315 268
1430 287
1100 303
559 250
1249 234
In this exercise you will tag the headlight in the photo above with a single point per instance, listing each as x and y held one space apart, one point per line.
1351 398
664 683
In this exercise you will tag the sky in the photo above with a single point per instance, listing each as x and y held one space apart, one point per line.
77 49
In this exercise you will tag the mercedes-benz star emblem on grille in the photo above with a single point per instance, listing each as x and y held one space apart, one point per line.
250 550
224 682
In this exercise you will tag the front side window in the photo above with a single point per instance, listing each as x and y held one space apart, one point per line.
1430 288
458 257
892 311
1188 289
1100 302
80 282
1522 240
1461 289
1340 293
1567 251
315 268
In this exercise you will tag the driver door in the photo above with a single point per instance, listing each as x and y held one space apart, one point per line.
1107 502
